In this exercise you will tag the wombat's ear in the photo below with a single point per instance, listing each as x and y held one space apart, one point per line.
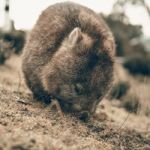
75 36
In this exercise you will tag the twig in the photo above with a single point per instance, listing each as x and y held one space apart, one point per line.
19 85
124 121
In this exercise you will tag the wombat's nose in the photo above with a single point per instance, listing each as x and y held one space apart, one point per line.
84 116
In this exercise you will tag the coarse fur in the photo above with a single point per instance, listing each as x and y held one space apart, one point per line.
69 56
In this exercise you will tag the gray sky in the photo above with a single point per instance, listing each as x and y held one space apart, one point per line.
26 12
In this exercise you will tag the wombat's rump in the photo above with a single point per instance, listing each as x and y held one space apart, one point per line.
69 56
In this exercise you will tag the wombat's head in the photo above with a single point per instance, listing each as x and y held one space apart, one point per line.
77 98
77 75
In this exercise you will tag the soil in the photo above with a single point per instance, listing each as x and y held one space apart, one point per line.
27 124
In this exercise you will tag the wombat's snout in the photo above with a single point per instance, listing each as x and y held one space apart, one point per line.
83 115
77 109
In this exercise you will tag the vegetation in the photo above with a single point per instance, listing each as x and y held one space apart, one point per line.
131 103
12 42
16 38
127 36
138 65
119 90
5 50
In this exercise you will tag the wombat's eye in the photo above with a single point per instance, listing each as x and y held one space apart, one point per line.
79 89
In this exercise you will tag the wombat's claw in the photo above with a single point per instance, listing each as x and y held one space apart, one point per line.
55 103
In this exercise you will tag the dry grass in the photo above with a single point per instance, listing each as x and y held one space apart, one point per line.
138 91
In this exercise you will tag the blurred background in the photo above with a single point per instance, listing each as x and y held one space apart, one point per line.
129 20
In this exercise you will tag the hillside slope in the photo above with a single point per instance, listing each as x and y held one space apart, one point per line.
26 124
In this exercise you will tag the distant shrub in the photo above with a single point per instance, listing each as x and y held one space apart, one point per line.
4 51
138 65
119 90
17 38
131 103
147 111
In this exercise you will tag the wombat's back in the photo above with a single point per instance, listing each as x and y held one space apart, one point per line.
52 27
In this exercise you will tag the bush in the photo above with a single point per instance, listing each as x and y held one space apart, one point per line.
138 65
16 38
119 90
5 51
131 103
147 111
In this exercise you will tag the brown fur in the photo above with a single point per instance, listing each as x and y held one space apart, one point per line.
69 56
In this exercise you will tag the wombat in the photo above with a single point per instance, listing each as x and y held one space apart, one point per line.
69 56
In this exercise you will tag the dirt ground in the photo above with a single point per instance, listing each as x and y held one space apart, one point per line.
26 124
